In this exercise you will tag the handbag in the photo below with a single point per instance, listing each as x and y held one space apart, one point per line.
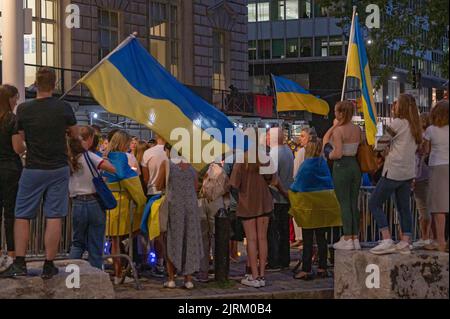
164 207
105 196
367 158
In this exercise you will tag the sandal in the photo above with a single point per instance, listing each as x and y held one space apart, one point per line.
303 276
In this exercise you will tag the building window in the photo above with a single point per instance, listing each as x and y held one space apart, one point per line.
292 48
277 10
264 49
108 30
219 81
251 7
305 9
306 47
278 49
163 34
336 45
292 10
252 50
321 47
263 11
319 11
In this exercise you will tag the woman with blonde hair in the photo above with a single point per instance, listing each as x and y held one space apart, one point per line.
345 138
127 189
399 171
437 145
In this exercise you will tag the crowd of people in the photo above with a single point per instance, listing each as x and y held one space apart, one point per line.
62 159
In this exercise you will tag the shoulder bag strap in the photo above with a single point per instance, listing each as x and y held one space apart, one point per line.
91 165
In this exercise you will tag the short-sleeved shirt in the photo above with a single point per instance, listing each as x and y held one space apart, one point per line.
45 122
255 198
284 162
152 161
400 163
438 137
80 182
8 157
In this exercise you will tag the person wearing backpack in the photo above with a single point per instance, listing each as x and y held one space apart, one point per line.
214 187
88 217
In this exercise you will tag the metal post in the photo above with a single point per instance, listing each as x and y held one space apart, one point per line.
222 240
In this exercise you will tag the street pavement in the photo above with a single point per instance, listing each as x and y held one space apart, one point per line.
278 285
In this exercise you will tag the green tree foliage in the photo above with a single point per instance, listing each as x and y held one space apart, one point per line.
406 25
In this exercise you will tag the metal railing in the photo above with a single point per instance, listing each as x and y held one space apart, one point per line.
369 231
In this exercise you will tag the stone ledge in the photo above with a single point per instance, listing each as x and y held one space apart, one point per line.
94 283
420 275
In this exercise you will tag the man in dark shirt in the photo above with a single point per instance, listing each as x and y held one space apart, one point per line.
43 123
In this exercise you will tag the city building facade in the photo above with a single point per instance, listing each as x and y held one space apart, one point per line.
203 43
299 40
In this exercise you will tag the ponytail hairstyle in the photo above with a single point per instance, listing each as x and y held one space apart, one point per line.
75 147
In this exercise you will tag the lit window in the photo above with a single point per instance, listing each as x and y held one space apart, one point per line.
336 46
163 31
305 9
292 48
291 9
251 12
219 80
263 11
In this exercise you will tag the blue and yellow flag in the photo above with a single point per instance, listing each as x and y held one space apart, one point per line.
312 197
358 67
132 83
292 97
126 187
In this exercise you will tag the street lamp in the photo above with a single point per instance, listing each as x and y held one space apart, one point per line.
394 77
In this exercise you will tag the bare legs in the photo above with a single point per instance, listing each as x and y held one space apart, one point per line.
256 234
21 236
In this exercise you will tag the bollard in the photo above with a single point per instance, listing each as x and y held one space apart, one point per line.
222 240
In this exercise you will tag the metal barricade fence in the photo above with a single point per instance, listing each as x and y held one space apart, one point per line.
369 231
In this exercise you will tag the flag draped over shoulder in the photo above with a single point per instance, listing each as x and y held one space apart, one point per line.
132 83
126 187
312 197
292 97
358 67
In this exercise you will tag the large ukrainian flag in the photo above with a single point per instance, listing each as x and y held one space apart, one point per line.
130 82
358 67
312 197
292 97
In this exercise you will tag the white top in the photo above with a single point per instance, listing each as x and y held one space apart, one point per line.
400 163
80 183
350 149
438 137
152 160
132 161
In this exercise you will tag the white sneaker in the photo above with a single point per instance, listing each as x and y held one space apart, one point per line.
262 281
386 246
189 285
356 244
403 247
5 262
170 284
420 243
249 281
344 244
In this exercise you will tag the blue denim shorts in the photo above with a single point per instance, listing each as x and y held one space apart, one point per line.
47 187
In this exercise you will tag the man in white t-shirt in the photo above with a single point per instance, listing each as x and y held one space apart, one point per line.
151 164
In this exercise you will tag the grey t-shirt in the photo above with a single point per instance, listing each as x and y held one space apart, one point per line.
284 162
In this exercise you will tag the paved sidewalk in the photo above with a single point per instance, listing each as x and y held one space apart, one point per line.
278 285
